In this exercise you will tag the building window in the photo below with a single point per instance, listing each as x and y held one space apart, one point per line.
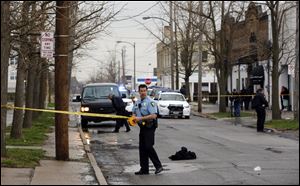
13 61
13 75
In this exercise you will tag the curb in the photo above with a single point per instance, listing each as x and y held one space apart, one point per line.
202 115
99 175
272 130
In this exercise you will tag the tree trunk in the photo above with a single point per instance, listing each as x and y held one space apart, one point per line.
16 130
43 85
5 50
31 76
275 71
187 86
51 87
296 83
222 84
36 90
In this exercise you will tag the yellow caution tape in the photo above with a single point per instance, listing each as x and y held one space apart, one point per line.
132 121
66 112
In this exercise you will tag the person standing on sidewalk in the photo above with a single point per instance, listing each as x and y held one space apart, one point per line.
145 113
259 103
119 106
236 103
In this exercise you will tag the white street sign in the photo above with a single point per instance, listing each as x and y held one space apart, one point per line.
47 44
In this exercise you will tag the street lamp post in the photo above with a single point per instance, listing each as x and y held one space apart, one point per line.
134 61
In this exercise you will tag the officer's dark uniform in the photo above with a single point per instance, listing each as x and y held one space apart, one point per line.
146 138
259 102
119 106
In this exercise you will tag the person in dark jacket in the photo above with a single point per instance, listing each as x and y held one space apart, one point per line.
183 90
119 106
236 103
259 103
284 98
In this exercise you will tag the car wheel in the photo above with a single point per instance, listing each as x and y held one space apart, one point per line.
187 117
84 123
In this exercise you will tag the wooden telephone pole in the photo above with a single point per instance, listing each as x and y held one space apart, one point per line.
61 80
200 61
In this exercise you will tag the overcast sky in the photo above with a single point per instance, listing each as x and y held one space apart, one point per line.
130 31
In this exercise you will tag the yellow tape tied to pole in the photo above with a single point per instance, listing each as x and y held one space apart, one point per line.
131 120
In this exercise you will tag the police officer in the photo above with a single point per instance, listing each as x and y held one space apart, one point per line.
259 102
119 106
145 111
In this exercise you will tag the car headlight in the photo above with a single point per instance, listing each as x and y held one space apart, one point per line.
84 109
163 105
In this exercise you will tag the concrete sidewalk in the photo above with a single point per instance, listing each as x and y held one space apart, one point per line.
245 121
212 108
81 169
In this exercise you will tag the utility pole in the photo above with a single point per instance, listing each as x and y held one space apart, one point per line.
296 82
176 48
134 67
123 66
172 45
200 62
61 79
119 72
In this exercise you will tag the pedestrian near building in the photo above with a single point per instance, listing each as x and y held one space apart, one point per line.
145 111
183 90
243 98
119 106
236 103
259 103
284 98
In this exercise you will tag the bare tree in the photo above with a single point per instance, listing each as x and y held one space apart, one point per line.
107 73
31 75
5 50
88 19
188 39
16 130
282 52
218 34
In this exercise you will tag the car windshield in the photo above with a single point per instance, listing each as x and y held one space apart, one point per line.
171 97
95 92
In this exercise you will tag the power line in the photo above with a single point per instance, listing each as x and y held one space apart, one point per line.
130 17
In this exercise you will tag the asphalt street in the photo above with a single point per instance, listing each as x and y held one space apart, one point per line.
226 154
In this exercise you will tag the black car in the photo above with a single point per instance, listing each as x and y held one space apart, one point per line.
94 99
